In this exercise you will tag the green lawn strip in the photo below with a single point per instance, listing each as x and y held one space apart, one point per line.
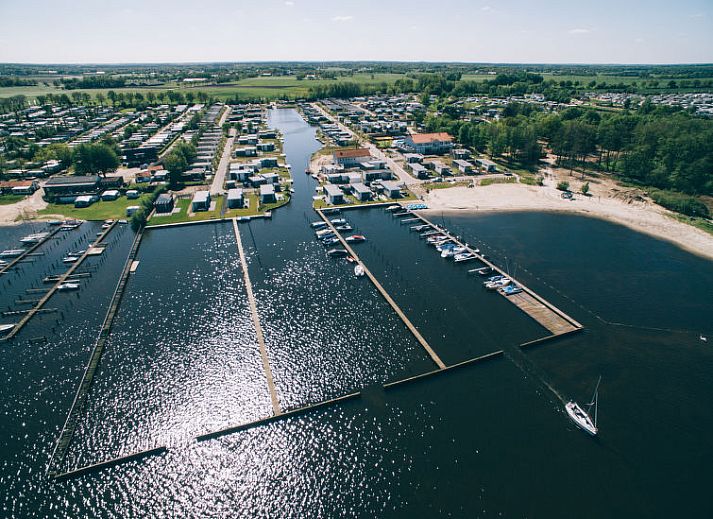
11 199
97 211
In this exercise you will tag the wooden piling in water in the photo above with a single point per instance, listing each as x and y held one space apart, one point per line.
53 289
386 296
29 252
534 305
80 398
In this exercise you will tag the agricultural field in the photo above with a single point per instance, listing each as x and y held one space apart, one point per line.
268 87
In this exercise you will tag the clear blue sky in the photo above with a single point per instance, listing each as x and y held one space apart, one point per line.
520 31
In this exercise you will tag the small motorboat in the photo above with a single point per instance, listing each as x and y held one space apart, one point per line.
495 285
345 227
436 238
453 251
338 221
323 232
12 253
359 271
33 238
510 290
69 259
392 208
332 240
338 253
6 327
318 225
464 256
355 238
66 287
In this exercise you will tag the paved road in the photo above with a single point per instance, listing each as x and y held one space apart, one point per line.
216 187
410 181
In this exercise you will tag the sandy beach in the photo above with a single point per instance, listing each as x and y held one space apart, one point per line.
643 216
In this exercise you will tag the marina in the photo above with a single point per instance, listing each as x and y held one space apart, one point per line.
374 371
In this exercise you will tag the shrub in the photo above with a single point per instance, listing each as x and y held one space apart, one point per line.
679 203
563 186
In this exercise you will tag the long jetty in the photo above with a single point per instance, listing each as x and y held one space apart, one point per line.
28 252
534 305
431 353
65 437
256 321
62 278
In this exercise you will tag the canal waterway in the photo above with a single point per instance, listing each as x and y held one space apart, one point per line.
487 440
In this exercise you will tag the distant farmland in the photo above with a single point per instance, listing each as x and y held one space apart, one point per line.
267 87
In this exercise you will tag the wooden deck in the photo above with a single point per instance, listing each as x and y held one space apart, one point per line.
541 313
534 305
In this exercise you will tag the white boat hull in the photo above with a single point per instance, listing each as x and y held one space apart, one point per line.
580 418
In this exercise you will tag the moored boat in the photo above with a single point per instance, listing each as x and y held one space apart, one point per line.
12 253
359 271
464 256
65 287
6 327
355 238
338 253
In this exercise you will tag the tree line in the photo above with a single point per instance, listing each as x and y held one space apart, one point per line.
657 146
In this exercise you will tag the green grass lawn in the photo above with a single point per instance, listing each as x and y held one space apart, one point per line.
185 204
97 211
10 199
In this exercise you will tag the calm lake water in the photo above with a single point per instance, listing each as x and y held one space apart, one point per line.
487 440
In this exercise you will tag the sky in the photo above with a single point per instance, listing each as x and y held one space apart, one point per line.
487 31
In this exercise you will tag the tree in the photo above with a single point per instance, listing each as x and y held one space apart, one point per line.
56 151
112 97
585 189
176 164
92 159
563 186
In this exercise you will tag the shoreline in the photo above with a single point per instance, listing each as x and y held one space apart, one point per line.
644 217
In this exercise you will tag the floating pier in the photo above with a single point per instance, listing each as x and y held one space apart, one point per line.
50 292
386 296
28 252
80 398
538 308
256 321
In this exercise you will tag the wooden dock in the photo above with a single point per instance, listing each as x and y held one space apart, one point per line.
256 321
50 292
67 433
28 252
386 296
537 307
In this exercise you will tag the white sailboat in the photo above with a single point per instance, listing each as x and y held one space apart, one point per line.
582 418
